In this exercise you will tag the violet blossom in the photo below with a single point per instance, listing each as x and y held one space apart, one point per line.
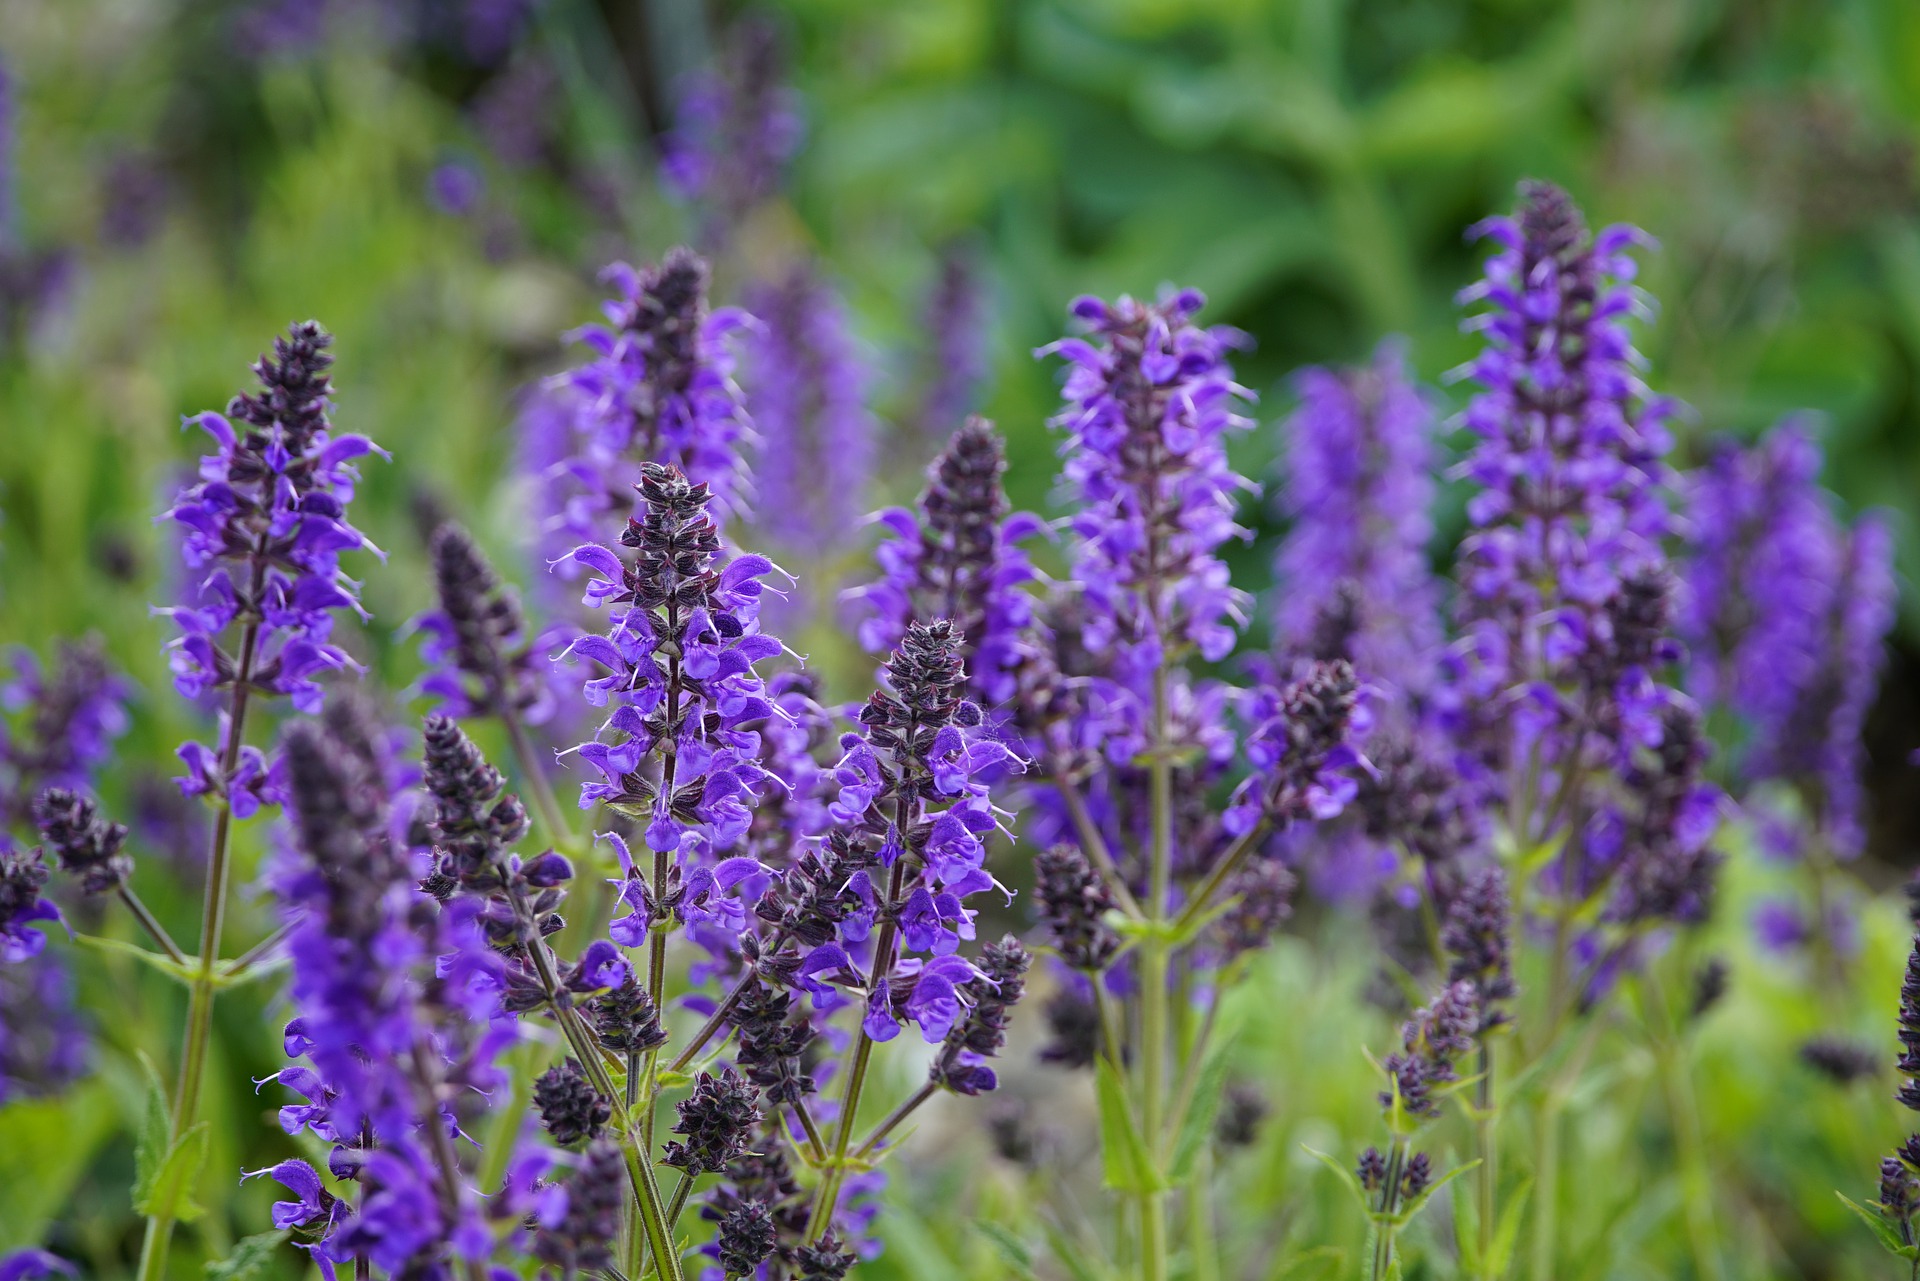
1359 490
736 128
957 555
264 527
658 388
809 387
66 718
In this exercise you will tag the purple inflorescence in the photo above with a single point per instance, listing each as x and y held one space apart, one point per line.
808 385
1150 402
1787 612
956 555
737 128
956 344
658 388
1359 488
393 1048
263 529
66 720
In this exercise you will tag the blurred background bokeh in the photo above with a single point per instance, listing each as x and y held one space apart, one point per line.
439 181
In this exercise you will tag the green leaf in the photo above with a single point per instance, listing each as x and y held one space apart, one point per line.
156 1123
170 1191
1466 1234
1197 1126
1080 1262
1507 1234
1124 1159
248 1259
46 1146
182 971
1321 1261
1347 1177
1010 1247
1881 1228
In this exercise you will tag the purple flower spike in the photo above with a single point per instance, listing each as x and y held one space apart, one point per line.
958 557
658 388
67 720
737 127
1150 401
264 527
816 437
1353 576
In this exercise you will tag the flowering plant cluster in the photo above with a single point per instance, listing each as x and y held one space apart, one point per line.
659 1033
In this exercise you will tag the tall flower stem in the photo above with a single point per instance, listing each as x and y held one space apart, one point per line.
1486 1178
637 1149
827 1198
1696 1180
1153 996
1383 1236
213 917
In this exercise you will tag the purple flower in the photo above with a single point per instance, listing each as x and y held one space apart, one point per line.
264 526
956 352
399 1012
43 1043
483 661
65 723
22 876
455 187
1150 400
957 556
33 1265
1359 488
816 437
658 388
1571 486
736 129
1812 738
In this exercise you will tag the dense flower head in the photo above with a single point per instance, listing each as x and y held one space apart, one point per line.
1840 1059
43 1038
772 1043
1908 1064
809 405
483 661
1150 400
1300 751
957 556
746 1237
657 388
1760 570
716 1121
569 1107
980 1034
1259 899
737 127
1073 899
87 843
1073 1026
956 329
65 721
1568 465
679 659
1810 730
1436 1035
263 528
578 1231
1477 935
22 876
1359 488
1658 840
391 1045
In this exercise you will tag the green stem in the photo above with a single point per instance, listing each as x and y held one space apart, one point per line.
1094 845
1696 1179
1155 961
1486 1178
894 1119
213 919
1383 1237
151 924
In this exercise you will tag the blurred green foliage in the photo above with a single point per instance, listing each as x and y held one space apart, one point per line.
1309 163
